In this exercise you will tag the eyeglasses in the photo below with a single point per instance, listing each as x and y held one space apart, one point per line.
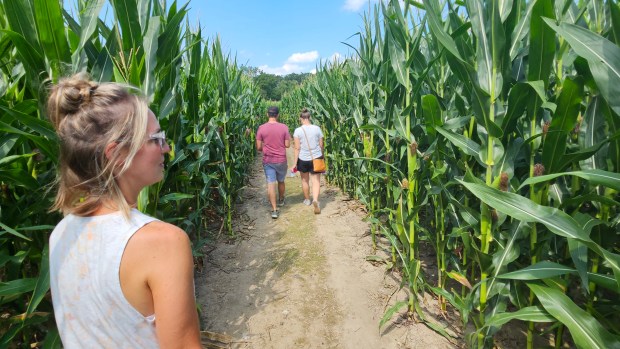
160 137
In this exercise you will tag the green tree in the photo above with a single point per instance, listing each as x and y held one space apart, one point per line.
268 83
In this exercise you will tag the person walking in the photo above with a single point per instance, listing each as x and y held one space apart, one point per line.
272 138
308 146
104 294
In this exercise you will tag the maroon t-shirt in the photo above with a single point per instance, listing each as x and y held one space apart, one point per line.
273 136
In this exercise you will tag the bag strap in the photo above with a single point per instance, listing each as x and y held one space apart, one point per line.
307 143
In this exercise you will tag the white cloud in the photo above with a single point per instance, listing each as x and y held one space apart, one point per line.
299 62
285 69
356 5
303 57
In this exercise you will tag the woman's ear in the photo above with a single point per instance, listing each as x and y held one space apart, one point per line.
109 150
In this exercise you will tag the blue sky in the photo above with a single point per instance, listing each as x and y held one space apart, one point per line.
282 36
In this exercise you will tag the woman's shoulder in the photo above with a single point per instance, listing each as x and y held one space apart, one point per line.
161 234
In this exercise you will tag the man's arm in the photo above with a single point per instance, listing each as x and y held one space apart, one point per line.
287 143
259 145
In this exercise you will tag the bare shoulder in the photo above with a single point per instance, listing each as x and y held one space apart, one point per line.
158 235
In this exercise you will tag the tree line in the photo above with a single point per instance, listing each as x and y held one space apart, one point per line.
271 86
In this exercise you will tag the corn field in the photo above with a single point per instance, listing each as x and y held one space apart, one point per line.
487 131
198 92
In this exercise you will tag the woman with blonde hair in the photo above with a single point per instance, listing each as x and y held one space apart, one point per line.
308 146
119 278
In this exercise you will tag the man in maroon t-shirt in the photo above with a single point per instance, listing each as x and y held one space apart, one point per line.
272 138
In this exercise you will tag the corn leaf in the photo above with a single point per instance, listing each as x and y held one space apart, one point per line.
13 231
18 286
51 30
541 270
542 43
433 14
562 123
596 177
432 113
43 282
468 146
390 312
129 19
602 55
585 330
533 313
555 220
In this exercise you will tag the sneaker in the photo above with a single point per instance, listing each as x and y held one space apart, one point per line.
317 209
275 214
281 202
307 202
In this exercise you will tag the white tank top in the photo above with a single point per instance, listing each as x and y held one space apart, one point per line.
90 308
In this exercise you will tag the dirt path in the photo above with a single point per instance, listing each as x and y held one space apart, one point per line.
302 281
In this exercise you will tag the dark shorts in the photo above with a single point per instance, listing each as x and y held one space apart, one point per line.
306 166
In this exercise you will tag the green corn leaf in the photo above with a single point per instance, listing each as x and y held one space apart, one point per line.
562 123
13 232
528 211
533 314
51 30
20 17
541 270
52 340
103 67
555 220
30 56
398 62
44 144
542 43
88 20
150 45
614 11
574 158
521 30
129 19
602 55
595 177
605 281
434 21
586 331
43 282
9 159
592 130
509 252
390 312
175 197
484 54
432 113
42 127
468 146
16 287
19 177
613 125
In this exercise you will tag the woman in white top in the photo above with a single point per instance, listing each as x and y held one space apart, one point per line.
119 278
308 138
